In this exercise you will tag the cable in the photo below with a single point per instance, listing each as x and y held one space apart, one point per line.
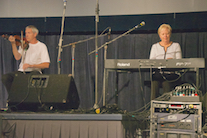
172 113
138 26
142 90
28 91
174 79
175 121
163 97
105 30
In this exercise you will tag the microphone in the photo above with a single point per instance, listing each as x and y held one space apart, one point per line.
64 1
140 25
109 33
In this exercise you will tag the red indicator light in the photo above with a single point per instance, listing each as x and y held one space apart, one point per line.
176 105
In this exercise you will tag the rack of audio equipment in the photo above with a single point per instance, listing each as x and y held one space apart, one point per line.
170 119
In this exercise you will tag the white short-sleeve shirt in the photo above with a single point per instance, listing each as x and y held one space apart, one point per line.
35 54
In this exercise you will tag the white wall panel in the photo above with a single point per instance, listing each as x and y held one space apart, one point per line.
54 8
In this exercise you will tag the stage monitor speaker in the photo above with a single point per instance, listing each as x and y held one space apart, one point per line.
38 92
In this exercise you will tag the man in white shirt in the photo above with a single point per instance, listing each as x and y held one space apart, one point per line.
33 59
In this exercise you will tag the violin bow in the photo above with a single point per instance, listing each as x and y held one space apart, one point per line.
22 46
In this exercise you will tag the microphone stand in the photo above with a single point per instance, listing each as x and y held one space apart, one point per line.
73 50
137 26
96 56
105 81
80 41
61 40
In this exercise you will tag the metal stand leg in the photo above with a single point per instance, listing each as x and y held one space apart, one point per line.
105 86
105 78
197 77
116 89
73 59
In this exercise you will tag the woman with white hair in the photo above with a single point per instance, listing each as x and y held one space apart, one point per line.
165 49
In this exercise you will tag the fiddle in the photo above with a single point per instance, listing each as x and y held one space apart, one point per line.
18 41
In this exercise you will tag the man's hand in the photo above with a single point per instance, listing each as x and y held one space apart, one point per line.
12 39
25 66
41 65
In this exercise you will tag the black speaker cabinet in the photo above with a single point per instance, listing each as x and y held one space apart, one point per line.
51 92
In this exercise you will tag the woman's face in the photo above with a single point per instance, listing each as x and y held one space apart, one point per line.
164 35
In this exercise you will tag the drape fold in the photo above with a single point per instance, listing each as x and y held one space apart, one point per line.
132 46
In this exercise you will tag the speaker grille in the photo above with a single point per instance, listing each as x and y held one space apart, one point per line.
54 92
